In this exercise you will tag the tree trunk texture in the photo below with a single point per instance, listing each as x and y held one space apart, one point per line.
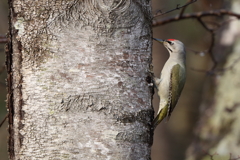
218 131
78 82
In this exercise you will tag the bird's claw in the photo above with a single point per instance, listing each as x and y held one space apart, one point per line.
150 71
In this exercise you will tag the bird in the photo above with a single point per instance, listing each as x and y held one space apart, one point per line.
172 79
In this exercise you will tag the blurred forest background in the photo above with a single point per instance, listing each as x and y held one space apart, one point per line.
171 139
3 75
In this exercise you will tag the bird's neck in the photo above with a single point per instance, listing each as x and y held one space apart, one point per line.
178 57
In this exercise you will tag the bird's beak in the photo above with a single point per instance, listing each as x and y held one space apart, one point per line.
159 40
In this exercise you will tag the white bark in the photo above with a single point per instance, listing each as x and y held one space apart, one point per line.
79 79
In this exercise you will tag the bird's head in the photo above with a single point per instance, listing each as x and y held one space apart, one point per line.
172 45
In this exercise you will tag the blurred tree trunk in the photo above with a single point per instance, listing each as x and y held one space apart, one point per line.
218 131
78 80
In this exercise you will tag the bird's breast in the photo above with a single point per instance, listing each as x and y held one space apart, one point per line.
164 86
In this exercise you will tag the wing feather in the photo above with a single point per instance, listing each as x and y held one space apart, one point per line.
177 80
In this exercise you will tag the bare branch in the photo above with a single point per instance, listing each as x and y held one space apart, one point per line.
208 72
184 8
202 23
3 120
216 24
215 63
197 15
177 8
210 50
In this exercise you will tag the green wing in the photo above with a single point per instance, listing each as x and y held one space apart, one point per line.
176 85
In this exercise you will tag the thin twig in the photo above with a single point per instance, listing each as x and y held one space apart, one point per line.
184 8
197 15
203 24
3 120
177 8
215 62
208 72
210 50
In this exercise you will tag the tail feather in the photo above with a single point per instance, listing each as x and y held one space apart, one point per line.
160 116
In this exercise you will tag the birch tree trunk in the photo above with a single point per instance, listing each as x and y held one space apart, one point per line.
78 79
218 131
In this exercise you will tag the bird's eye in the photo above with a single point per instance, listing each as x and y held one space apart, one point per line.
169 42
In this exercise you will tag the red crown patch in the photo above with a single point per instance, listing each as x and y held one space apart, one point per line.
171 39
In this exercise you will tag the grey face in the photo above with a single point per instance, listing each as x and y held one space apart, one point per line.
174 46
